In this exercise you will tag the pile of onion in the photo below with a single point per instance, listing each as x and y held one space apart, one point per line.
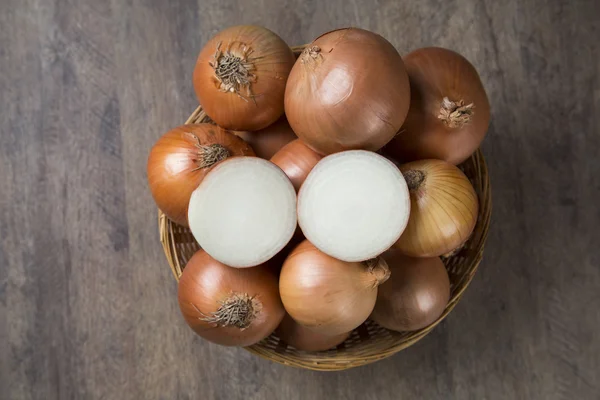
327 188
327 295
181 158
240 77
348 90
449 110
229 306
443 209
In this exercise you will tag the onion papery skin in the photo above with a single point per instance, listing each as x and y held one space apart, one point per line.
207 286
327 295
302 338
262 62
296 159
415 295
348 90
449 110
443 210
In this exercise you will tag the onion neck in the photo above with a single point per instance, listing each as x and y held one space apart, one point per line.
311 56
209 155
455 114
379 270
234 71
414 179
238 310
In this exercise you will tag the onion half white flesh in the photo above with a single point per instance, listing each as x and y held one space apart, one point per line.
354 205
243 212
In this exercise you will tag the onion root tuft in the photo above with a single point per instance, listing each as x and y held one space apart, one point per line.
238 310
232 71
455 114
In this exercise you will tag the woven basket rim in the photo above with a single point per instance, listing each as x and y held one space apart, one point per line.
324 361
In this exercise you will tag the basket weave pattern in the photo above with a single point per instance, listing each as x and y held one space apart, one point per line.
369 342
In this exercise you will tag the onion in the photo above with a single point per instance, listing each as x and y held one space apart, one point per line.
269 140
240 77
354 205
443 209
297 160
327 295
449 110
229 306
181 158
276 263
303 338
348 90
415 295
244 212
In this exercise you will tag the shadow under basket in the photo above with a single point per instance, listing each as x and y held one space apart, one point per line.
369 342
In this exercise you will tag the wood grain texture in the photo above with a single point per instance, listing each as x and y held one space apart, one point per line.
88 305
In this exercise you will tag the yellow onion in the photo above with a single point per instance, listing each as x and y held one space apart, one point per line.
449 110
327 295
348 90
268 141
297 160
415 295
443 209
229 306
303 338
240 77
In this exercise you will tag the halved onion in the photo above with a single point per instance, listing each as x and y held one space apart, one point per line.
354 205
244 212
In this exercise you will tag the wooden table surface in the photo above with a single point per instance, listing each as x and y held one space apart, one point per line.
88 305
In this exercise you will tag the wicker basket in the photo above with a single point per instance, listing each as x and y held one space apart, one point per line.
369 342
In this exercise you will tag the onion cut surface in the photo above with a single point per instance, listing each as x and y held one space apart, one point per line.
354 205
244 212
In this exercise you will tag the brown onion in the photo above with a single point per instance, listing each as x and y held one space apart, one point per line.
268 141
449 110
348 90
181 158
229 306
240 77
443 208
327 295
297 160
276 263
415 295
303 338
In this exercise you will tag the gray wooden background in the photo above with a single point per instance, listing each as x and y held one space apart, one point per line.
87 302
